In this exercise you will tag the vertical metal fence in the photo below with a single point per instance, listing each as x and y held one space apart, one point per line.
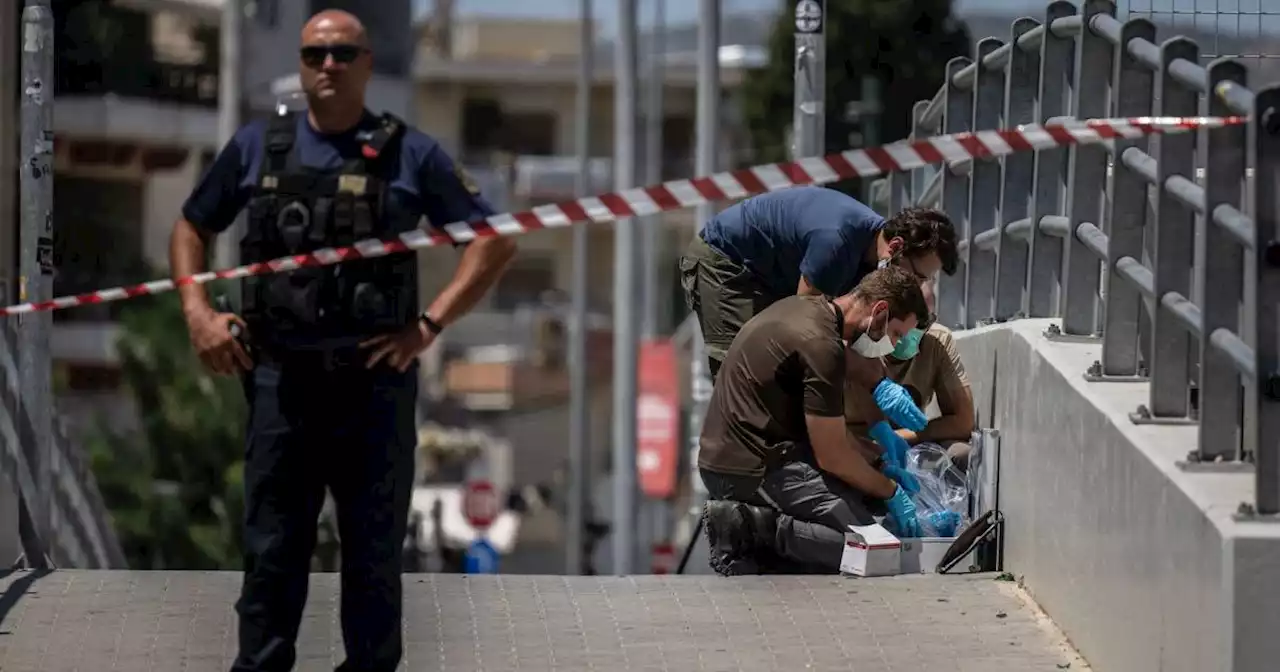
79 532
1114 239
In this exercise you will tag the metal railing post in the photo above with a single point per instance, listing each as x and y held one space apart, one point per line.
920 176
1088 174
957 118
1018 172
897 185
1174 241
1266 303
1221 398
984 190
1057 71
1134 87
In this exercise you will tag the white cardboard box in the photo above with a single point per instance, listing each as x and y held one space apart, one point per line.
870 550
922 555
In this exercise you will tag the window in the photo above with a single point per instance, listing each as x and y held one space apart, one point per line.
677 138
529 133
481 119
97 241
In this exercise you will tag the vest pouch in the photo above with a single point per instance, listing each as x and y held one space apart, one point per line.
294 299
257 245
377 307
293 226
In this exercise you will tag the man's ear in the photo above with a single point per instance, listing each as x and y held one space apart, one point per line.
880 311
896 244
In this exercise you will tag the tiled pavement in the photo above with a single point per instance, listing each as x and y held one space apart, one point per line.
96 621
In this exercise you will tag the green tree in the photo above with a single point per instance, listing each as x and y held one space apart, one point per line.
174 489
904 45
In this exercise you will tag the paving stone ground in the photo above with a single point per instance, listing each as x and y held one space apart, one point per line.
96 621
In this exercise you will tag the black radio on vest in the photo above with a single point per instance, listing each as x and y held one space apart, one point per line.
297 209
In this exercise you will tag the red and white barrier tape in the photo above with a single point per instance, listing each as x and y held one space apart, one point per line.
679 194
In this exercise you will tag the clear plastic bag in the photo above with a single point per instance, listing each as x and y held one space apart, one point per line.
942 505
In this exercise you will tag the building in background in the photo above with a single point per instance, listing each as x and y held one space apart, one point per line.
135 122
500 94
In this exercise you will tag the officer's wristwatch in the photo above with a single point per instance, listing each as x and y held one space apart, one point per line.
435 327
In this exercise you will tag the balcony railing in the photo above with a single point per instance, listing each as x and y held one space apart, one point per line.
164 82
103 48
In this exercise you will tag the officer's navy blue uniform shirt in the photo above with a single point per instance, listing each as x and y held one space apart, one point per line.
427 181
818 232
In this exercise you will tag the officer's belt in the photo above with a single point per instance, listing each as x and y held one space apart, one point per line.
325 356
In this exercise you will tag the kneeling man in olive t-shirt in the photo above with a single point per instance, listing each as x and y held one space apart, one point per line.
781 472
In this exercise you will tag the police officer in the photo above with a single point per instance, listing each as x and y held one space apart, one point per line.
330 371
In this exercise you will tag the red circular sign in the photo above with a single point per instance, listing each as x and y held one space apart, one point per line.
480 503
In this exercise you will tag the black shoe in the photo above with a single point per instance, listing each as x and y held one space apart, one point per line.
729 538
763 524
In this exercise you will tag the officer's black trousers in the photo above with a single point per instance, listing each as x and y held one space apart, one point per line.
352 430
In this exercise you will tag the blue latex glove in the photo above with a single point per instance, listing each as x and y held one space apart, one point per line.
904 478
896 404
903 511
945 523
895 447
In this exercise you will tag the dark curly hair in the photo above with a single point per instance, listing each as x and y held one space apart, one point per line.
925 230
897 287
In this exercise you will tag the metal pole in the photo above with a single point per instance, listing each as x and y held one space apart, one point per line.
625 285
226 251
579 424
706 163
35 241
869 120
9 78
652 226
10 543
809 122
708 109
651 510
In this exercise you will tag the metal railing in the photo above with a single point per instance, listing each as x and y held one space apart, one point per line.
1188 247
69 523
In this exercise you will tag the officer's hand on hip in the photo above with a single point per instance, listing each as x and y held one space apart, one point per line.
217 347
401 348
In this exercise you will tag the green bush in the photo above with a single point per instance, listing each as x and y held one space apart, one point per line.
174 488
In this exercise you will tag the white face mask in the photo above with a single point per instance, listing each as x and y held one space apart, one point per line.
869 348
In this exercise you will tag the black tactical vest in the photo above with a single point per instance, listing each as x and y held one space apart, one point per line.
294 210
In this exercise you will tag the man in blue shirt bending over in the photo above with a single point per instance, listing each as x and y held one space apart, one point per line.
811 240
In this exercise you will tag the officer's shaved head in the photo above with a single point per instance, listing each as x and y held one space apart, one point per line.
334 22
335 60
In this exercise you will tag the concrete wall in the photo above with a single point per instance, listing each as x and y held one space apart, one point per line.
1138 562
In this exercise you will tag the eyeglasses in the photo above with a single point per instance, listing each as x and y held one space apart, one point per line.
314 55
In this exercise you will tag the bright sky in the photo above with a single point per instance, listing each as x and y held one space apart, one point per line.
681 11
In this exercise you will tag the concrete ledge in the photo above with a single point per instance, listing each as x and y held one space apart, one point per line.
1139 563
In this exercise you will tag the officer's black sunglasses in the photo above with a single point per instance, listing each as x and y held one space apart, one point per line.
315 55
